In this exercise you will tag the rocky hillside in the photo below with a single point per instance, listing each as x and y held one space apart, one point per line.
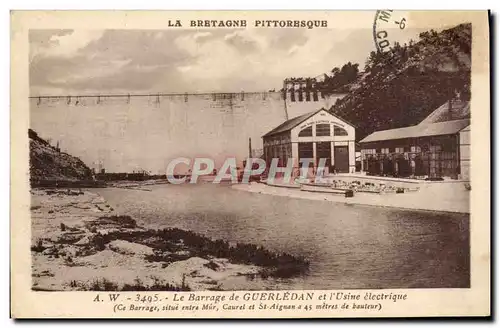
402 86
47 163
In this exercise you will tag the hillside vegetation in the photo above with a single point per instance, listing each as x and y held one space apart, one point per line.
48 163
402 86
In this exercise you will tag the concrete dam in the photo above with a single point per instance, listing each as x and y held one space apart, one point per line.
124 133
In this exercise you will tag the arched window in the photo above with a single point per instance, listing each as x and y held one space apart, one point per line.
307 132
338 131
322 130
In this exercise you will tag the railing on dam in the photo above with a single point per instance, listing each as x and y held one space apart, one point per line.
289 96
151 97
287 105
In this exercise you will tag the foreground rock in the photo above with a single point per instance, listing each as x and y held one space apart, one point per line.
78 243
128 248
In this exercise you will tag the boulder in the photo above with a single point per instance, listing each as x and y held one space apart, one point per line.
84 241
183 253
128 248
50 251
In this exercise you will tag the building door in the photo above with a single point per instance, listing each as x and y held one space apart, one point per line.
341 159
324 150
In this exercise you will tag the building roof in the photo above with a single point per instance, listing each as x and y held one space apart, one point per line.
293 122
451 110
289 124
420 130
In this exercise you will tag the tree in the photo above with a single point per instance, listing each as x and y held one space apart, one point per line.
402 86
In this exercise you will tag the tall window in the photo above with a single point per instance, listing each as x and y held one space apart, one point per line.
448 145
307 132
435 148
322 130
338 131
305 150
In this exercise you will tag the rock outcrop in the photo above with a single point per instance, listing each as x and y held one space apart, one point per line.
48 164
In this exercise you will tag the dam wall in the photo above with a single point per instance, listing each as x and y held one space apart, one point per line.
144 132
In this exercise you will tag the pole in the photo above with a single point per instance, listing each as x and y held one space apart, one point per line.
284 99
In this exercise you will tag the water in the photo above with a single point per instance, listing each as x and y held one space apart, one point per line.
349 246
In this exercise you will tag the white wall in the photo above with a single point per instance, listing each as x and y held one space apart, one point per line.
465 153
146 133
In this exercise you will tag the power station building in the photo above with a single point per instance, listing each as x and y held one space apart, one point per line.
437 147
318 134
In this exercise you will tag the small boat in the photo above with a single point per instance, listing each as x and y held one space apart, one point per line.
325 188
374 191
283 185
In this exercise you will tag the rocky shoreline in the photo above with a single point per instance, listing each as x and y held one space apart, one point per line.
80 243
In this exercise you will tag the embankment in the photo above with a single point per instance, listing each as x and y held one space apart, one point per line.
432 196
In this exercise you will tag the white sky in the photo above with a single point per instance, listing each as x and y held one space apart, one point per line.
128 61
86 61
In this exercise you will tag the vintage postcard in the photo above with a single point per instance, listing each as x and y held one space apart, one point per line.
250 164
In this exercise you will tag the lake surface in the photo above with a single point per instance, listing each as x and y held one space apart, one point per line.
349 246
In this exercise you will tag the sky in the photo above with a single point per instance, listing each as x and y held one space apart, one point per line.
66 62
106 61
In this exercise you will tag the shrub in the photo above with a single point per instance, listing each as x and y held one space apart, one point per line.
158 285
38 247
103 285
